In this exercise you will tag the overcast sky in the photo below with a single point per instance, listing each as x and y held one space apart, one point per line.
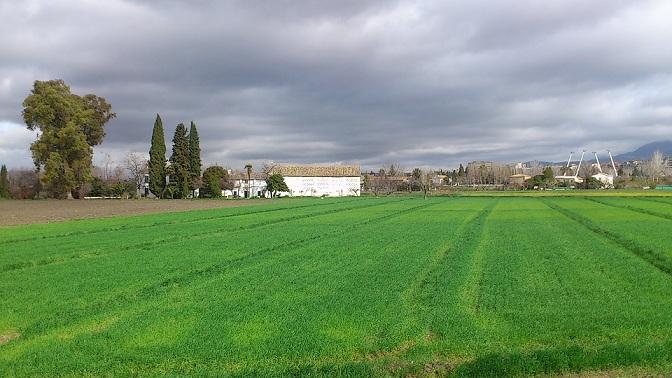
421 83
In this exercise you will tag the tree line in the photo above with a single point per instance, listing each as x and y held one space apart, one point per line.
180 175
69 126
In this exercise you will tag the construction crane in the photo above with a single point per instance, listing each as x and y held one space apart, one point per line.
574 177
597 160
612 164
606 179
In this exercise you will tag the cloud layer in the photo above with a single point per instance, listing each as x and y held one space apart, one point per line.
427 83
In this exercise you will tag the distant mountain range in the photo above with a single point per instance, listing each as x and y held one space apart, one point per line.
644 152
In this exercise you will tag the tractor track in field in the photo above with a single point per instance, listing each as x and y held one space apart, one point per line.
156 224
558 277
660 262
474 288
632 208
183 280
656 199
219 268
468 234
177 239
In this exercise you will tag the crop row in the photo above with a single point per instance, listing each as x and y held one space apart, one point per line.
548 283
472 286
39 252
101 276
636 230
236 297
111 225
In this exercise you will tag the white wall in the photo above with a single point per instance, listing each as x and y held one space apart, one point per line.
303 186
319 186
257 187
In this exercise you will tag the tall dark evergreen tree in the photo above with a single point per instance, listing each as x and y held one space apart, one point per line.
179 163
157 159
4 182
194 158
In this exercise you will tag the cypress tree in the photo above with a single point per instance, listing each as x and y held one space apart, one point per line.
157 159
194 157
179 163
4 182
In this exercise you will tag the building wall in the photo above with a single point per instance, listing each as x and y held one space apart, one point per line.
301 187
320 186
257 188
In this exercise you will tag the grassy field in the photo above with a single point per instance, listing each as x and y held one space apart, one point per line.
566 193
463 286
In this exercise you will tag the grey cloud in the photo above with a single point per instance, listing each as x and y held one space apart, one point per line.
429 83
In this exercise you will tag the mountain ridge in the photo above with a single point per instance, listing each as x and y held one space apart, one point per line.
645 151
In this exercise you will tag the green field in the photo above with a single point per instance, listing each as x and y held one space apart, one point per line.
464 286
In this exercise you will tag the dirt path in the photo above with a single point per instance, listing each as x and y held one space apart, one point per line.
44 211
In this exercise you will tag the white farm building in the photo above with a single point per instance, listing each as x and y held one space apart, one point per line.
302 180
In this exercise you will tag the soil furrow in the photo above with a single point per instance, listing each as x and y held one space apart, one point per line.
182 280
660 262
176 239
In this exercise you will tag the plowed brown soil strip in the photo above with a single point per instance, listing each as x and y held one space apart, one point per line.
44 211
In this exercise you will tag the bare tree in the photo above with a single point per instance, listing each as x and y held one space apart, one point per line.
655 168
394 170
426 182
107 167
267 169
24 183
136 165
378 182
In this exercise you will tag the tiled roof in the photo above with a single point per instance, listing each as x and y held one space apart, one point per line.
317 170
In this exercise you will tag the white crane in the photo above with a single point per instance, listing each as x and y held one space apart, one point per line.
606 179
597 160
612 164
574 177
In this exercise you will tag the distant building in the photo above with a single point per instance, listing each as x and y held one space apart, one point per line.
315 180
521 168
519 179
438 180
604 178
143 186
244 188
302 181
480 164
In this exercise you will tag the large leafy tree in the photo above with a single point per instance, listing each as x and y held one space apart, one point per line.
69 127
157 159
58 176
214 181
276 183
194 158
4 182
179 163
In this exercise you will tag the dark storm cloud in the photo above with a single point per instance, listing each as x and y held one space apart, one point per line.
427 83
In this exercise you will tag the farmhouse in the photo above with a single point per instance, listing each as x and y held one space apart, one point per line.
313 180
302 180
242 187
